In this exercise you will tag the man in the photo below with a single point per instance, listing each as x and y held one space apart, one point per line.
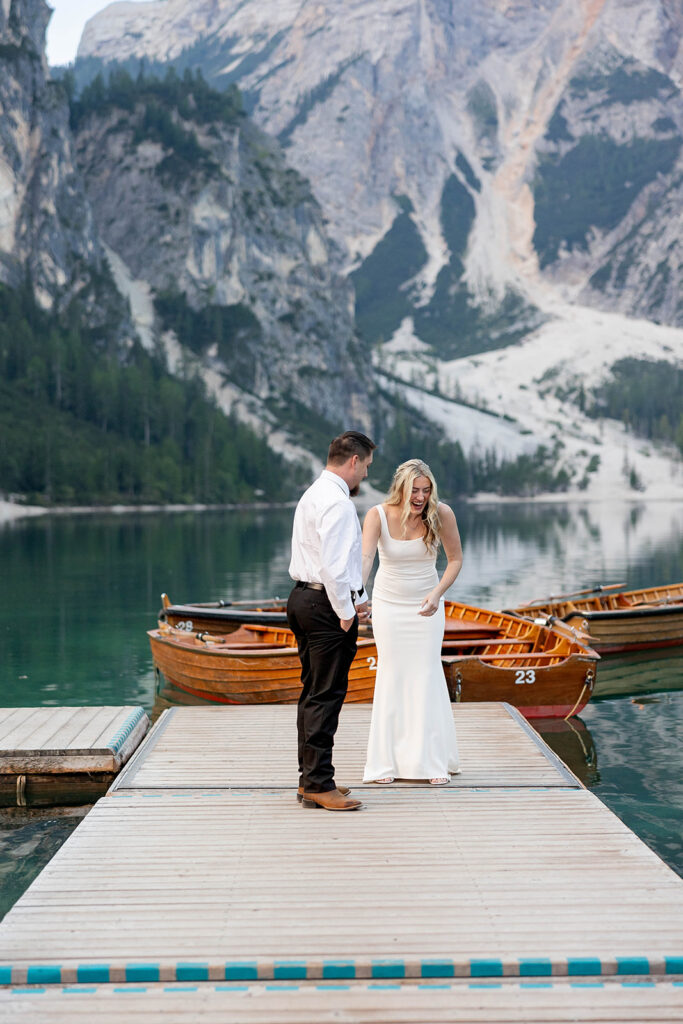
324 609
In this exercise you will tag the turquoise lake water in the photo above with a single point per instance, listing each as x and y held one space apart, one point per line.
79 592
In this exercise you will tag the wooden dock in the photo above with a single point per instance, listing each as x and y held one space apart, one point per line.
200 887
51 755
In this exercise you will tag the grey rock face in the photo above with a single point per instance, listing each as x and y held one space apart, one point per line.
232 245
378 99
609 188
46 227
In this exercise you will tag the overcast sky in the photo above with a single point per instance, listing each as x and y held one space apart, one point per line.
66 26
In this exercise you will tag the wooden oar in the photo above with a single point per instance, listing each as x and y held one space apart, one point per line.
203 636
256 604
597 589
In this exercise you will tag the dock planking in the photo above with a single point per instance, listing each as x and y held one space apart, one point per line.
512 883
63 739
611 1001
254 747
51 755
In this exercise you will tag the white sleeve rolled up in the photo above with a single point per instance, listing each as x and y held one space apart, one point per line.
339 533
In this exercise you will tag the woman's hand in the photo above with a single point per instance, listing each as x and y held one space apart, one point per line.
429 606
363 612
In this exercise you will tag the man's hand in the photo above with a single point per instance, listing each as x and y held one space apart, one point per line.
363 612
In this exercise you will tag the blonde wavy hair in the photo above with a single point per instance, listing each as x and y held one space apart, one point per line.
400 492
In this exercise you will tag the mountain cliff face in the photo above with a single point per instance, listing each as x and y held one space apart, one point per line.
205 219
456 131
46 227
169 215
504 180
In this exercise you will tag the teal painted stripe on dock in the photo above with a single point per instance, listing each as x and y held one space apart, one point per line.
292 970
437 969
131 990
80 990
142 972
92 972
29 991
484 984
536 984
247 971
587 984
388 969
44 974
182 988
120 737
339 969
282 988
633 965
385 988
5 975
231 988
486 968
583 965
538 967
674 964
638 984
192 972
333 988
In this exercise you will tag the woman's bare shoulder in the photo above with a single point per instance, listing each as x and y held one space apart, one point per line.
446 512
372 516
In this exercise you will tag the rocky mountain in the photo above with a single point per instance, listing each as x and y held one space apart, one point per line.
504 179
495 141
46 224
220 247
159 212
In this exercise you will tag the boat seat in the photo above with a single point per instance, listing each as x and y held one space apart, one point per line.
256 647
463 642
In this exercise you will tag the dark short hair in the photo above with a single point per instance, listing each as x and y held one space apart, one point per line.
348 444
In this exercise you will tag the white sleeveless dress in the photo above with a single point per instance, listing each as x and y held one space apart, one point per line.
412 733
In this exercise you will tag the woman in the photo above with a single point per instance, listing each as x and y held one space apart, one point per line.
412 734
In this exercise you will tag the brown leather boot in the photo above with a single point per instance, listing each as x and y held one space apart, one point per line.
344 790
332 800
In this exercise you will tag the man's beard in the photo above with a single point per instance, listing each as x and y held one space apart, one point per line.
355 491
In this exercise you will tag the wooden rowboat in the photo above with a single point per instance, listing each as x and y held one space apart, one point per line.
546 672
486 656
630 620
253 665
223 616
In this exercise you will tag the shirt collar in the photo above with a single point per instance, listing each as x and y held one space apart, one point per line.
335 478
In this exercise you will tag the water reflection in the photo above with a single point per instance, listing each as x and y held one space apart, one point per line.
641 672
517 553
28 839
573 743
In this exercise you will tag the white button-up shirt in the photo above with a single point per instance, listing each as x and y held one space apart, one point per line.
327 542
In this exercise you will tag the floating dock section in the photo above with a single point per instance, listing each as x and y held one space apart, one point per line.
63 755
201 887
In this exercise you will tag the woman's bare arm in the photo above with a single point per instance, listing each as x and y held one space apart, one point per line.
371 530
450 538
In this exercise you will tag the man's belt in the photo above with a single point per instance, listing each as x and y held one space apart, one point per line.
319 586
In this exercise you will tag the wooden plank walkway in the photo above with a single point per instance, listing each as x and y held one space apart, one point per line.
64 755
247 885
514 877
64 739
254 747
609 1001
